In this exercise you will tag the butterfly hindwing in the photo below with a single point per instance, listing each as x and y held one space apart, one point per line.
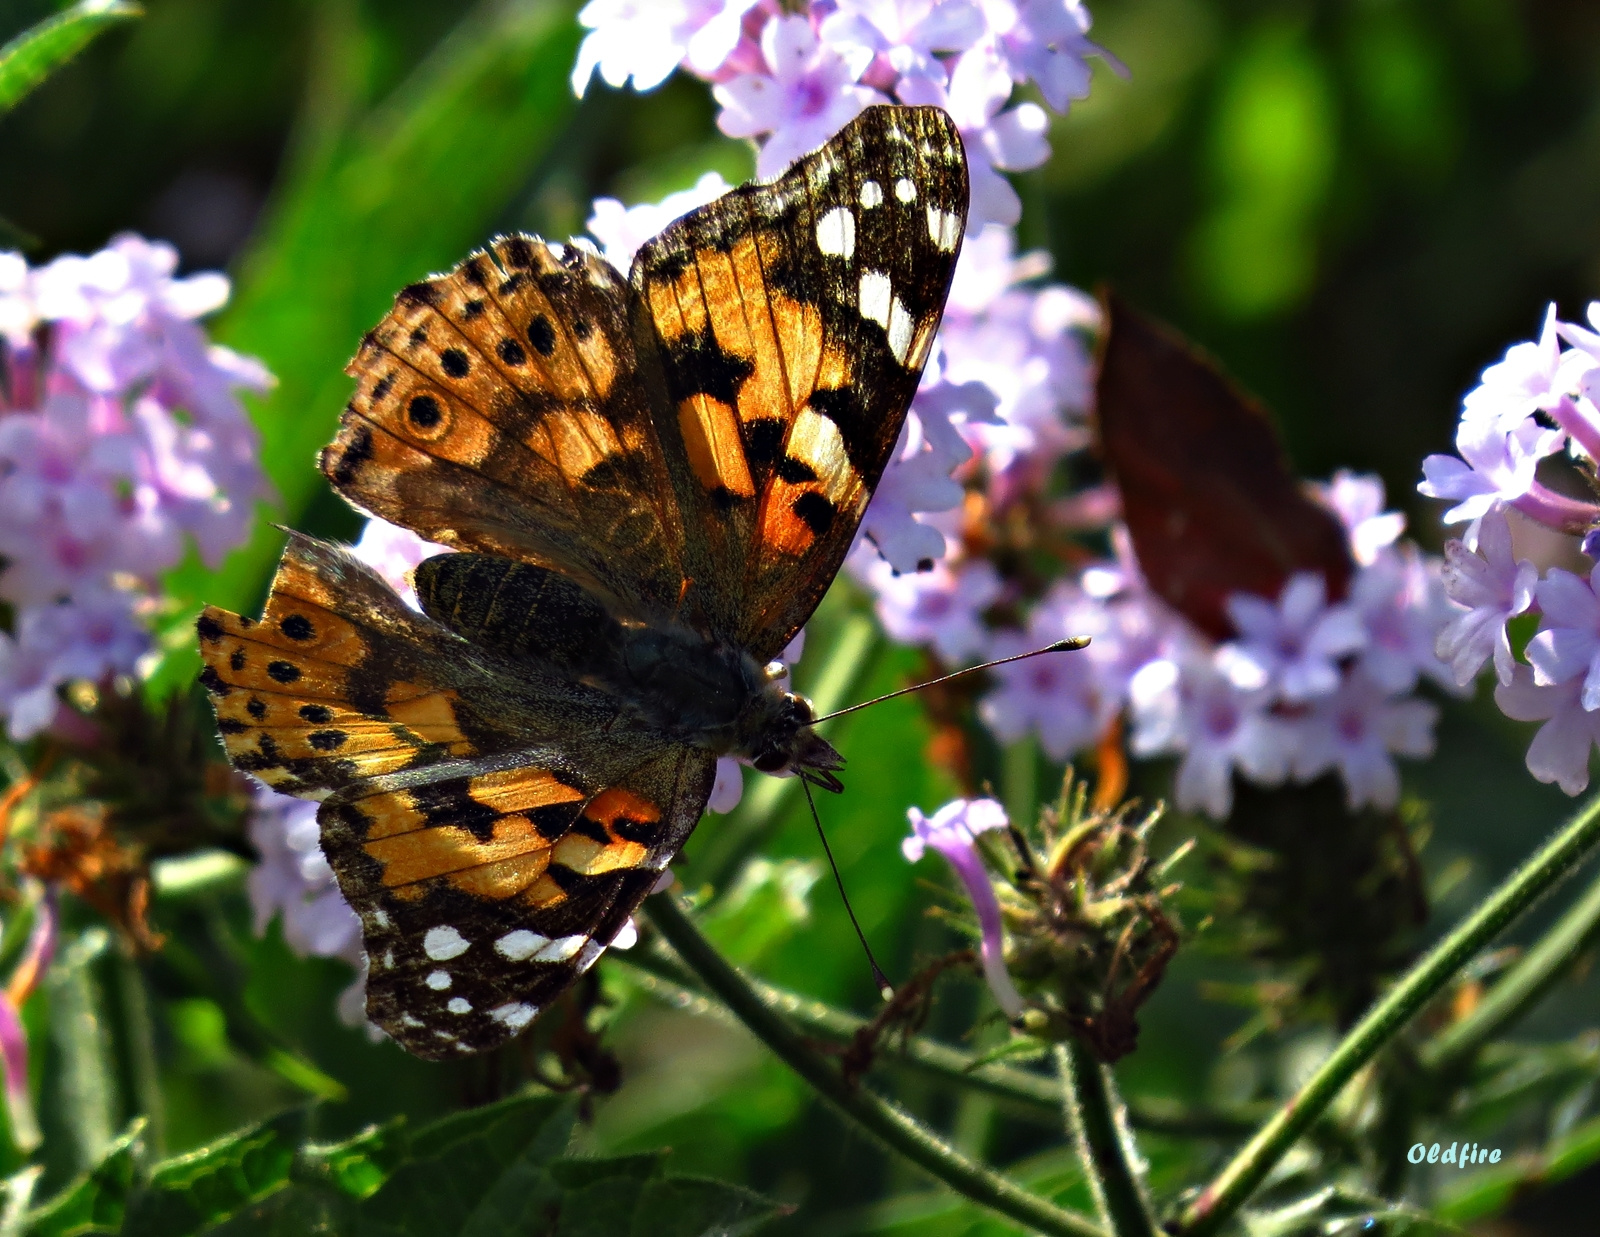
482 897
789 323
498 409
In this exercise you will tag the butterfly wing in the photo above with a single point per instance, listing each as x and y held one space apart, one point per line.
789 323
498 408
482 897
507 803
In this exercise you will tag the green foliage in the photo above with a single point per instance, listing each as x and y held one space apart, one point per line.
39 51
495 1171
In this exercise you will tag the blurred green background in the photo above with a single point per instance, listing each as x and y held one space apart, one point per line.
1356 205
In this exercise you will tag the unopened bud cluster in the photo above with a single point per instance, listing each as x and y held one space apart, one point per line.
1089 937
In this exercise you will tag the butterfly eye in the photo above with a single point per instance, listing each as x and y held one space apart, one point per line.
770 762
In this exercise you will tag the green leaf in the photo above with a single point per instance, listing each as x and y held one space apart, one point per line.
601 1197
189 1193
700 1207
474 1161
39 51
359 1166
365 209
95 1202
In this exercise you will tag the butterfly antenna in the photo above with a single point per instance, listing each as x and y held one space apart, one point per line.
885 988
1060 646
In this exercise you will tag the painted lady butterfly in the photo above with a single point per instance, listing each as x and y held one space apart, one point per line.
651 485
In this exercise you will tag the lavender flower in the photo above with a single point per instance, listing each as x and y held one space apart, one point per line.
1500 442
1495 587
122 440
1354 731
1568 643
952 831
804 94
394 552
1047 42
1292 648
1184 704
1358 502
92 637
37 955
941 607
1560 750
1061 696
645 40
621 230
292 882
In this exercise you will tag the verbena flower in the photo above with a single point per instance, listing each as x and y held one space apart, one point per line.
952 831
621 230
292 882
805 92
122 441
1290 649
645 40
1533 406
1492 586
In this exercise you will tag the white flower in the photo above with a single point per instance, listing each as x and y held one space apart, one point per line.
1291 648
1494 586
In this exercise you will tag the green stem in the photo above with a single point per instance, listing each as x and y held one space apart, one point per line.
1218 1202
1095 1120
892 1126
1029 1094
1520 988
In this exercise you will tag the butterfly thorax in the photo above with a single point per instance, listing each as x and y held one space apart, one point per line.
715 696
667 676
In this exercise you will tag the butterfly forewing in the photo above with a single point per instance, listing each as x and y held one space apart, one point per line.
790 323
498 408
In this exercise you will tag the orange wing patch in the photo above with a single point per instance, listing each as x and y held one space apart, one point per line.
282 689
498 409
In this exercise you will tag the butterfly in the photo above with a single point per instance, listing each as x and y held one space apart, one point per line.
648 485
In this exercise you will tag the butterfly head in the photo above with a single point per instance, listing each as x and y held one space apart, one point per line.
780 739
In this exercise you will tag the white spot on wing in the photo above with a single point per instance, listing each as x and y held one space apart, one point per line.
459 1005
944 228
899 330
876 293
557 249
836 233
516 1015
438 980
443 943
520 945
586 959
380 918
524 946
406 1020
871 194
905 190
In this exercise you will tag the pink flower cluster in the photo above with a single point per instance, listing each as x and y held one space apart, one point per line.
1306 687
122 439
1540 403
792 79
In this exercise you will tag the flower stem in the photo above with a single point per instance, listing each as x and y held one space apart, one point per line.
1521 987
892 1126
1025 1092
1095 1120
1218 1202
